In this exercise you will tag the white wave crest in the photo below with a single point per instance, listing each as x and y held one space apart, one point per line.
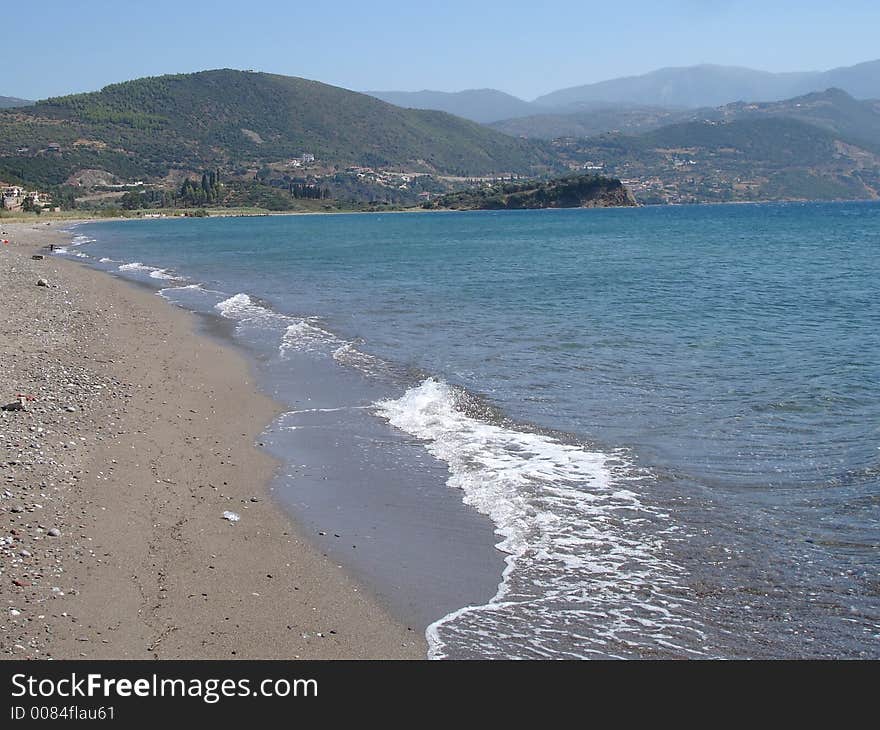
154 272
65 251
168 292
299 334
578 582
239 306
306 337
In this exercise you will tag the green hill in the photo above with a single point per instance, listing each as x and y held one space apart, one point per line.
834 110
238 120
783 142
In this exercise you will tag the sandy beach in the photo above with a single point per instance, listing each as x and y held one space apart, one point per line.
137 435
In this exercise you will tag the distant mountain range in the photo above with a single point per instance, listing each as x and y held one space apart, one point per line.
669 88
8 102
832 109
709 85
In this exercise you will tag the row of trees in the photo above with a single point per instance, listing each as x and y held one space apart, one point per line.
310 192
206 193
136 200
192 194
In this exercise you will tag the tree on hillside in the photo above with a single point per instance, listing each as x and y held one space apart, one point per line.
206 192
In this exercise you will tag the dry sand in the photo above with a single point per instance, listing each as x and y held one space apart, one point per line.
140 435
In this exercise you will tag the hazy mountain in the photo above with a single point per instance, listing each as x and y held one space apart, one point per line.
832 109
8 102
710 85
478 105
634 98
241 120
861 81
610 118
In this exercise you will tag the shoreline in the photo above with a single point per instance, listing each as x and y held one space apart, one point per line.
52 219
136 478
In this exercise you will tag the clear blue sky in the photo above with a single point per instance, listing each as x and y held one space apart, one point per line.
55 47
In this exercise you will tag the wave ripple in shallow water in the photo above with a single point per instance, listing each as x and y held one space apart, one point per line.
578 582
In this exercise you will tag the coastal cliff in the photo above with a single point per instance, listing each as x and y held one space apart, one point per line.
577 191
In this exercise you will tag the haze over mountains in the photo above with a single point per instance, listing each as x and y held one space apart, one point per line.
686 87
710 85
8 102
479 105
832 109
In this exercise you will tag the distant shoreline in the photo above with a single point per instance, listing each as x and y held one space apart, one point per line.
75 219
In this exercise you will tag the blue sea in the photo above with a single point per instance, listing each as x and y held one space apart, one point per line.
665 419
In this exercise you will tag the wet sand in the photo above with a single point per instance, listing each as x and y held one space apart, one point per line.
140 434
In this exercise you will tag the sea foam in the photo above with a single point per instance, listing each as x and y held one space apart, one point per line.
65 250
154 272
75 244
305 336
562 512
243 308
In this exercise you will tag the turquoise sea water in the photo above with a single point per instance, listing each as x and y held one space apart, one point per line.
670 415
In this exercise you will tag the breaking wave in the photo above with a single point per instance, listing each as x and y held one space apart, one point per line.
579 582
